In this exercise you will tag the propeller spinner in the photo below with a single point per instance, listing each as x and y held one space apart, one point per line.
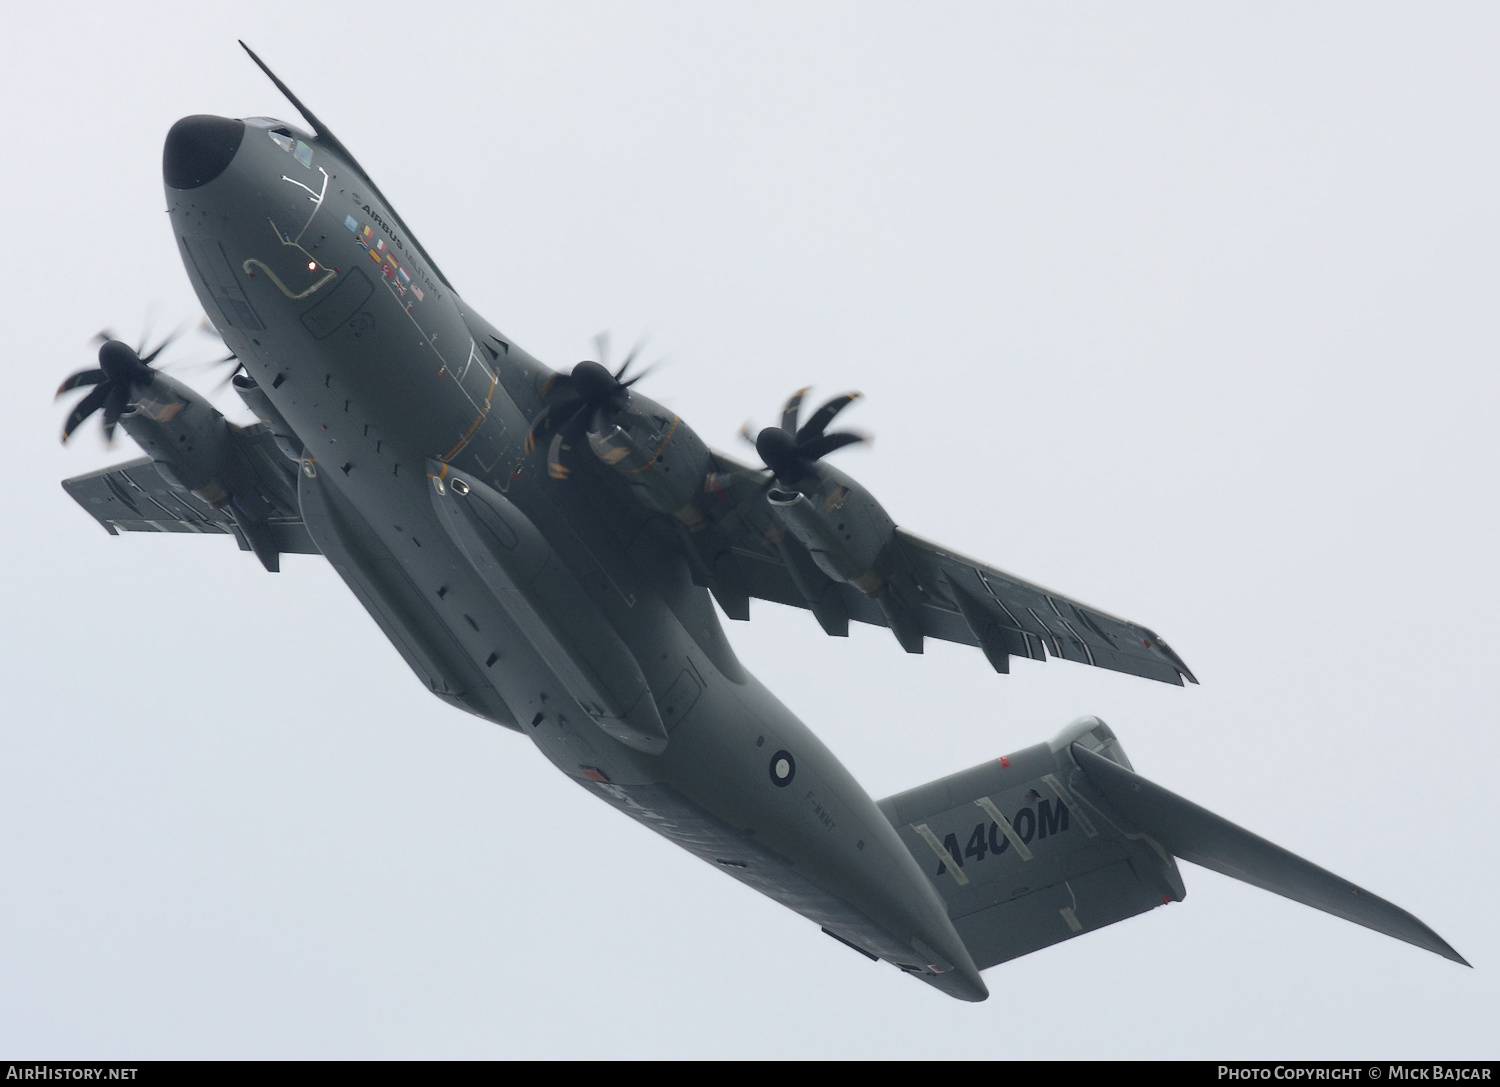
122 369
790 451
584 398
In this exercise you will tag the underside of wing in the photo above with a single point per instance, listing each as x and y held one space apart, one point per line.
764 548
133 497
1008 617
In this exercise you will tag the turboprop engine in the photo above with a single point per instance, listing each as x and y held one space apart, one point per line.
661 458
193 447
835 530
835 519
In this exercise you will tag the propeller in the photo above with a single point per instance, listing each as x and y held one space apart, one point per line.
122 369
581 400
790 451
206 327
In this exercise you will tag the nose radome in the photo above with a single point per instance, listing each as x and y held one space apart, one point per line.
198 149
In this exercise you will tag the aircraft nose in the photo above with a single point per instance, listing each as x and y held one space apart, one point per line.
199 148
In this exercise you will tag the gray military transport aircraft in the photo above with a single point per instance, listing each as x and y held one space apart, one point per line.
541 547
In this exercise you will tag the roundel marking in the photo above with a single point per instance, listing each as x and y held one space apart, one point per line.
783 768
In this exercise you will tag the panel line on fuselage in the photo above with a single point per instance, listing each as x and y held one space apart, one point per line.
483 410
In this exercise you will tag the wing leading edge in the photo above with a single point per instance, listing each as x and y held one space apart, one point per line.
927 592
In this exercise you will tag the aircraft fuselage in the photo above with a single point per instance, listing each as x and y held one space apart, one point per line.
555 607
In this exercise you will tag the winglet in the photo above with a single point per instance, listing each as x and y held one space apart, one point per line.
326 136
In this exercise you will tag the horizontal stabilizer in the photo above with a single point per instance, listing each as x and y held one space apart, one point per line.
1198 835
1064 838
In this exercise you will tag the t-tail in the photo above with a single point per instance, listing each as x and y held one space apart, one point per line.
1065 837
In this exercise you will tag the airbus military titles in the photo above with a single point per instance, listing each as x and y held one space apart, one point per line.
375 217
415 264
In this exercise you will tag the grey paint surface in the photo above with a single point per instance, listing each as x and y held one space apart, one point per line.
1310 387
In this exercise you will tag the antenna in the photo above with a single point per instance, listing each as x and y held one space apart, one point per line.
325 134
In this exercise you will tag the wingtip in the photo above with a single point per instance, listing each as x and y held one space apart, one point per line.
1446 951
1177 662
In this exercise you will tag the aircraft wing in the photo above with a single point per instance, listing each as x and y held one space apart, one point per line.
930 592
1005 615
133 497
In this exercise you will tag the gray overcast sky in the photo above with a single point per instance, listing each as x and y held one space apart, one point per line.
1188 311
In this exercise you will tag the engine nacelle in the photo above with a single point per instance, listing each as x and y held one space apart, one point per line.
184 435
659 456
256 400
196 449
842 527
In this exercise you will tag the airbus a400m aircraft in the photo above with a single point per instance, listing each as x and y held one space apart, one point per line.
541 547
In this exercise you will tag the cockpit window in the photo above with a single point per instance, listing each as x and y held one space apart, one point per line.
284 139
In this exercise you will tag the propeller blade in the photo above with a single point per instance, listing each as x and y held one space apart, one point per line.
791 409
152 313
535 428
632 381
824 444
747 433
601 348
184 367
555 467
599 422
80 379
86 407
635 353
568 434
122 369
171 336
234 371
116 401
573 426
824 415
